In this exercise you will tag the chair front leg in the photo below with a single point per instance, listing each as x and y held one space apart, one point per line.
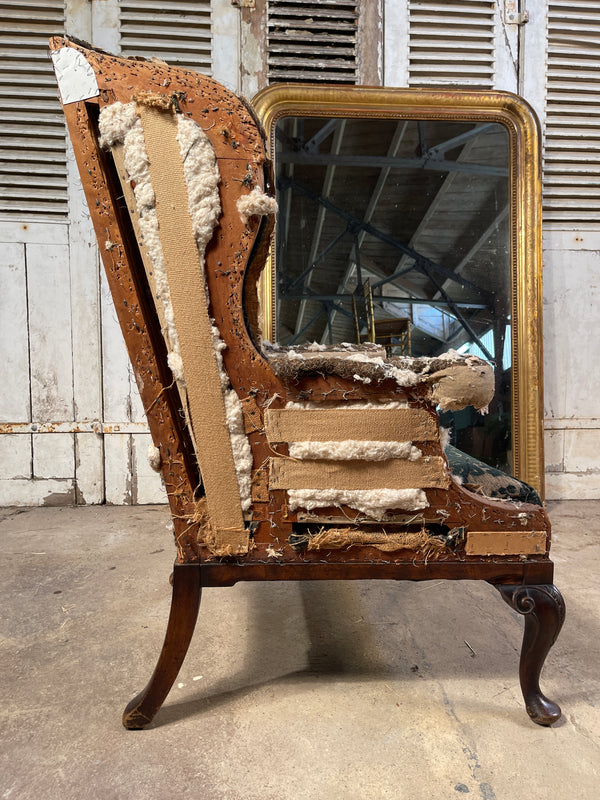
544 611
187 590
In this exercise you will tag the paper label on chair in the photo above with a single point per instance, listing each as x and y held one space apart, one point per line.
74 75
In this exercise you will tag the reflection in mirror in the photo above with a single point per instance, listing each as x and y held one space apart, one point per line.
398 231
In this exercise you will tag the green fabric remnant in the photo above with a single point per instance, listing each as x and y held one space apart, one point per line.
489 481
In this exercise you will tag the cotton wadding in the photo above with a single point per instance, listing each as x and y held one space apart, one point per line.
351 449
372 502
257 203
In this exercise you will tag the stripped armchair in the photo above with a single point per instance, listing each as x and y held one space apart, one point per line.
297 463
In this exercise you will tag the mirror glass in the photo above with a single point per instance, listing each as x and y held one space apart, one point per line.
398 231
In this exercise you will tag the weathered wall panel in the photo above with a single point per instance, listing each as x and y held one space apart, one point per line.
53 455
117 469
14 345
50 332
572 380
89 468
15 457
148 487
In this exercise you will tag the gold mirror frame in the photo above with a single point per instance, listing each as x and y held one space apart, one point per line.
282 100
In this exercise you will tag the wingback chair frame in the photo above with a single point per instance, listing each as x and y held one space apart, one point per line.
503 543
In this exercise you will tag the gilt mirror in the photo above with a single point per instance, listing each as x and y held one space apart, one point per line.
412 219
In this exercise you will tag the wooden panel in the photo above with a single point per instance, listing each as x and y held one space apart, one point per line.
85 304
53 455
176 31
312 41
451 42
15 456
115 361
137 413
121 403
147 485
572 147
33 233
50 332
117 469
89 468
37 493
14 347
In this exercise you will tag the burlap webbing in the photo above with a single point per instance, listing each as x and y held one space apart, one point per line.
337 425
396 473
188 297
337 538
118 155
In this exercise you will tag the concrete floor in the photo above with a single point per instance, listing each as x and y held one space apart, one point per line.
317 690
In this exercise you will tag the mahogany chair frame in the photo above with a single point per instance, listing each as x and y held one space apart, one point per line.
525 582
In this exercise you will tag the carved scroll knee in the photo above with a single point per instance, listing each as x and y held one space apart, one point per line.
544 611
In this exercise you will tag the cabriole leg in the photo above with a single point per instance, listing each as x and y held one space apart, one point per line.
187 588
544 611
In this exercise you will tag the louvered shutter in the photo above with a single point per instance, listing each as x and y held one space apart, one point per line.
33 173
176 31
451 43
572 150
312 41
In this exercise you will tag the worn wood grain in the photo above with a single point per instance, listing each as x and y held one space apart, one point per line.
53 455
50 332
15 457
89 468
14 332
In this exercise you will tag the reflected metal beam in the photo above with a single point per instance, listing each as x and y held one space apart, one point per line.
395 143
424 162
340 127
459 140
422 263
491 229
379 298
319 257
312 144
